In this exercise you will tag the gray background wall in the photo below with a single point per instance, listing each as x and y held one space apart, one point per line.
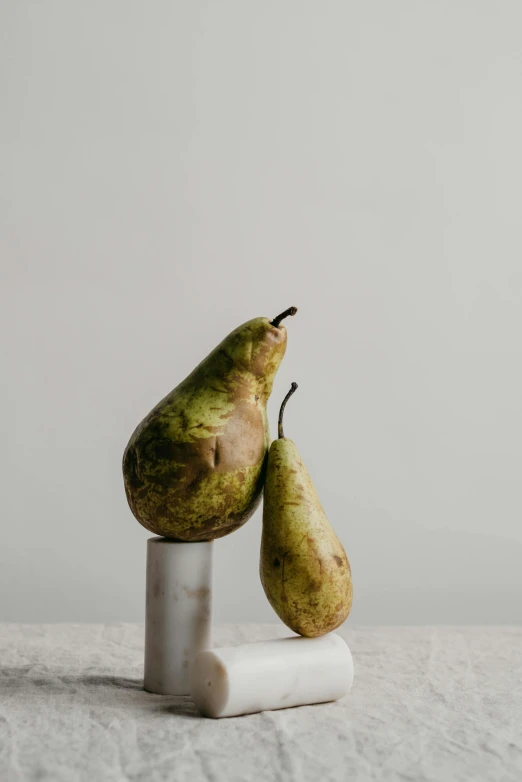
170 170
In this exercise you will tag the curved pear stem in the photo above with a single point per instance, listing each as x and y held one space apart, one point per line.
282 316
280 434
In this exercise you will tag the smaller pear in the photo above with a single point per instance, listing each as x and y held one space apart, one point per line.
304 568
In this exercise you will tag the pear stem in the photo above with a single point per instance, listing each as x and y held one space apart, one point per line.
282 316
280 434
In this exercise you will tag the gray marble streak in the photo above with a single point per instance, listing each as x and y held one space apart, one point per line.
428 703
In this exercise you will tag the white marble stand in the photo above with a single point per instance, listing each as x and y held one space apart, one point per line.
178 617
274 674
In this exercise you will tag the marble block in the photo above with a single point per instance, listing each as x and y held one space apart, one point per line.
178 615
270 675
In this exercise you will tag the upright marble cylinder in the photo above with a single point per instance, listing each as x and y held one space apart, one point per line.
178 615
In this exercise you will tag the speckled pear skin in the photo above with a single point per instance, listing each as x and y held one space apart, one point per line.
304 568
194 467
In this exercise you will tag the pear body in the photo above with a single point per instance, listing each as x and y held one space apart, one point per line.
194 467
303 567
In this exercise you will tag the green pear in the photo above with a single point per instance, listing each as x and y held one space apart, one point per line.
304 568
194 467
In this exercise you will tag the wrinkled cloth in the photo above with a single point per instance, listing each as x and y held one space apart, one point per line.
428 703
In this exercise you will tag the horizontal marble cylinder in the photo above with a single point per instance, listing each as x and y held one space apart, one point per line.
268 675
178 615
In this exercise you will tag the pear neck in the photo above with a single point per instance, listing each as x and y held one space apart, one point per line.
280 432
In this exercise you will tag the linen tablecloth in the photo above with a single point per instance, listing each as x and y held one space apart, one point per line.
428 703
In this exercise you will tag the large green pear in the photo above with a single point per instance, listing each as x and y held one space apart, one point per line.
304 568
194 467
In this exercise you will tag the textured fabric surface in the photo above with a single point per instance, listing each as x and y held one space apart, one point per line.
428 703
